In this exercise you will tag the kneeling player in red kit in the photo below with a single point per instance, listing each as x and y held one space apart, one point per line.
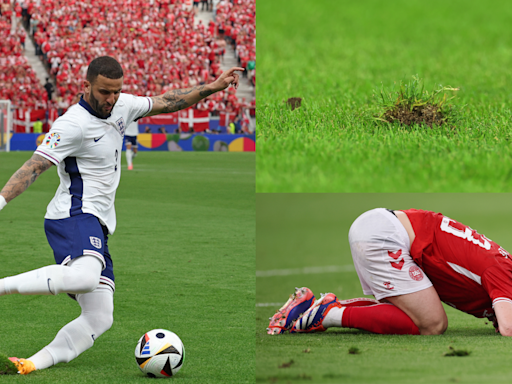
411 261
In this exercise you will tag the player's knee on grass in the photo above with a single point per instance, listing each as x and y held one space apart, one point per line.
425 310
434 325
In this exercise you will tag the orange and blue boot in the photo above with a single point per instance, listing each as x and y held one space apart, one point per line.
311 320
297 304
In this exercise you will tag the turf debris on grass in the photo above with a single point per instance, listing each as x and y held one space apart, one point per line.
335 54
7 367
457 352
354 351
294 102
286 365
412 104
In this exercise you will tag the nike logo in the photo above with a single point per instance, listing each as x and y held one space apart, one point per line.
98 139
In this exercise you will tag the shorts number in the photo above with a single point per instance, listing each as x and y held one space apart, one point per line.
464 232
117 155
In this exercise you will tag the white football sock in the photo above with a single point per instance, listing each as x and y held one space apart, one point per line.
333 317
79 335
129 156
80 276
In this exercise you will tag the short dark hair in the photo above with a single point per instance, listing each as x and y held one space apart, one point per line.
105 66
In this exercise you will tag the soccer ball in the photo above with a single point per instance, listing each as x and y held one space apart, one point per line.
160 353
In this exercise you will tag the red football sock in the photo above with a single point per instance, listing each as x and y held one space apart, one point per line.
385 319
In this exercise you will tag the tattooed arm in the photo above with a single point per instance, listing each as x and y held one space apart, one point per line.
176 99
23 178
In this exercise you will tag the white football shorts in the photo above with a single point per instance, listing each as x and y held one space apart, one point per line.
380 248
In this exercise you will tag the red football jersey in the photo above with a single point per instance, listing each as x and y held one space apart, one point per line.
469 271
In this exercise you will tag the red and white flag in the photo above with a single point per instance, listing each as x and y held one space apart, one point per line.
226 118
199 121
25 118
162 119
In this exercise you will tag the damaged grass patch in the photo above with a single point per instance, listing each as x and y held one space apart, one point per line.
412 104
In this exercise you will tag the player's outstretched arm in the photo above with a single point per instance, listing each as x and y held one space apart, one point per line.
177 99
503 323
23 178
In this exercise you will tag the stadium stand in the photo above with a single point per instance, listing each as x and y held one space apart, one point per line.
155 41
237 21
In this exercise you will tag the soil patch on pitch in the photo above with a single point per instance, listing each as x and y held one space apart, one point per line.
294 102
425 114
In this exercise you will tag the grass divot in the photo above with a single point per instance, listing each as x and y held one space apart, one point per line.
7 367
457 352
354 351
412 104
286 365
294 102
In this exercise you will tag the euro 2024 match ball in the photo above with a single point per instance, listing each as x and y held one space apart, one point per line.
160 353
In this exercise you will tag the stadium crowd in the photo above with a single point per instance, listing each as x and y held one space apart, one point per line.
155 41
236 20
18 81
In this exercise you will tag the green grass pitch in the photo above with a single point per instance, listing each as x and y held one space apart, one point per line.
334 55
297 231
183 257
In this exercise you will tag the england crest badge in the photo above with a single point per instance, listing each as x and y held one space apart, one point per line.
96 242
121 127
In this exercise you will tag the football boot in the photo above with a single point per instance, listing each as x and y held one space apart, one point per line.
297 304
311 320
24 366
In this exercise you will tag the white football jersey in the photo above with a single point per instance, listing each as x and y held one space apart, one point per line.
133 129
87 151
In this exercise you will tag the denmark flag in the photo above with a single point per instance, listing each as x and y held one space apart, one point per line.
197 120
226 118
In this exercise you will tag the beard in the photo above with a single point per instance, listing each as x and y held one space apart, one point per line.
99 108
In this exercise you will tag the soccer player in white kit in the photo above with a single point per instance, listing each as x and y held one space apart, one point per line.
85 144
131 143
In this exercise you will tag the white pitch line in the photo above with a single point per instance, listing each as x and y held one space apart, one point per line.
306 270
269 304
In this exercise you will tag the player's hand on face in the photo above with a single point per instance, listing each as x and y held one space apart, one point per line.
228 78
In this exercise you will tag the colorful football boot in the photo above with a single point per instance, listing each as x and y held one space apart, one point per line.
311 320
24 366
297 304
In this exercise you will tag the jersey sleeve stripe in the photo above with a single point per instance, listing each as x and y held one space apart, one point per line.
150 105
48 157
465 272
498 299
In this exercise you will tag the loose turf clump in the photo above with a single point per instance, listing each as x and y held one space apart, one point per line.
354 351
411 104
286 365
457 352
7 367
294 102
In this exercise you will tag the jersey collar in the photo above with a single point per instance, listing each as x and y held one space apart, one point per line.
89 109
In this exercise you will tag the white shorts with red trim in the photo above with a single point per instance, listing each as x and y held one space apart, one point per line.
380 249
